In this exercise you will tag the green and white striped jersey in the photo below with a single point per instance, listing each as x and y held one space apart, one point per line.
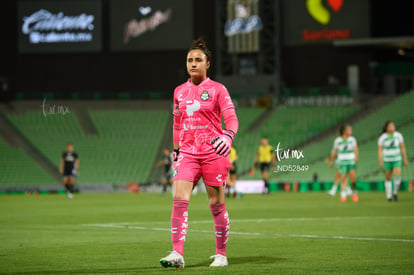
345 150
391 146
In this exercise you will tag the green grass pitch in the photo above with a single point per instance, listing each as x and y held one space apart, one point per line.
282 233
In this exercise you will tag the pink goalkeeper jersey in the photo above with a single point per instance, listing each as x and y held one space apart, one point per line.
200 108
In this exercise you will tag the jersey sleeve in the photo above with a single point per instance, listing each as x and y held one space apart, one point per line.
177 119
176 110
400 137
354 141
224 99
335 145
381 140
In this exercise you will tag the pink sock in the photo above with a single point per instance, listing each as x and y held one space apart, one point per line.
221 227
179 224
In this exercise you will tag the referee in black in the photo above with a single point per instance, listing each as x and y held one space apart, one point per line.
69 169
166 163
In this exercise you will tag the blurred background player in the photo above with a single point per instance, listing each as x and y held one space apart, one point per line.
231 179
345 150
201 149
390 148
265 159
166 163
69 169
337 179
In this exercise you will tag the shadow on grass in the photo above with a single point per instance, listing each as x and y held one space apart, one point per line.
84 271
157 268
242 261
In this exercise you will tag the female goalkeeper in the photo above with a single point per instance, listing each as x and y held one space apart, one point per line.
201 149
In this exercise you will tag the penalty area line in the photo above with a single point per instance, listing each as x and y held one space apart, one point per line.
257 234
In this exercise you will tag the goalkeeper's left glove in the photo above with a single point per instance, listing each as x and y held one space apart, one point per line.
222 144
175 154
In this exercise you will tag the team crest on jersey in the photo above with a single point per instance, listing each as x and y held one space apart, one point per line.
205 96
175 172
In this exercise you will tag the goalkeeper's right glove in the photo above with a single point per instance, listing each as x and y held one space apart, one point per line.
222 144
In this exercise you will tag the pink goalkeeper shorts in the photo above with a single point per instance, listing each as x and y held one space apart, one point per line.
214 169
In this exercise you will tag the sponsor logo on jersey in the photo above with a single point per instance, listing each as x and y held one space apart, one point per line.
192 106
205 96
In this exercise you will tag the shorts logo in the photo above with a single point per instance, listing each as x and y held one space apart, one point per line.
218 178
205 96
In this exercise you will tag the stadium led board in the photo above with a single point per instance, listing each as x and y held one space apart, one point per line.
151 24
321 21
59 26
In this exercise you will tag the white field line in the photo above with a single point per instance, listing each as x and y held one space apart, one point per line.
130 226
265 220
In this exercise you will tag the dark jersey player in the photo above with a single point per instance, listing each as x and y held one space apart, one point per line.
166 163
69 169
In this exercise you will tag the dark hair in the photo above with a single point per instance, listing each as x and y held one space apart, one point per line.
201 44
343 128
384 128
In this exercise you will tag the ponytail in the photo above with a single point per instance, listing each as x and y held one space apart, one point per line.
201 44
384 128
343 128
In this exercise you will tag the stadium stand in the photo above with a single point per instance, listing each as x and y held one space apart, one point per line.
134 139
366 131
290 126
293 125
122 152
247 117
17 168
124 144
245 141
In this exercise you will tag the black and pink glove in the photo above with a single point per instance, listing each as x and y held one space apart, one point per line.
222 144
175 154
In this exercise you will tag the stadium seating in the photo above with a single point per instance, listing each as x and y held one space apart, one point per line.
366 131
244 141
293 125
17 168
290 126
123 151
248 116
127 141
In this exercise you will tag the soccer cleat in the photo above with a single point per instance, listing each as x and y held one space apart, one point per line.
174 259
355 197
219 261
70 195
332 192
395 197
343 199
389 199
